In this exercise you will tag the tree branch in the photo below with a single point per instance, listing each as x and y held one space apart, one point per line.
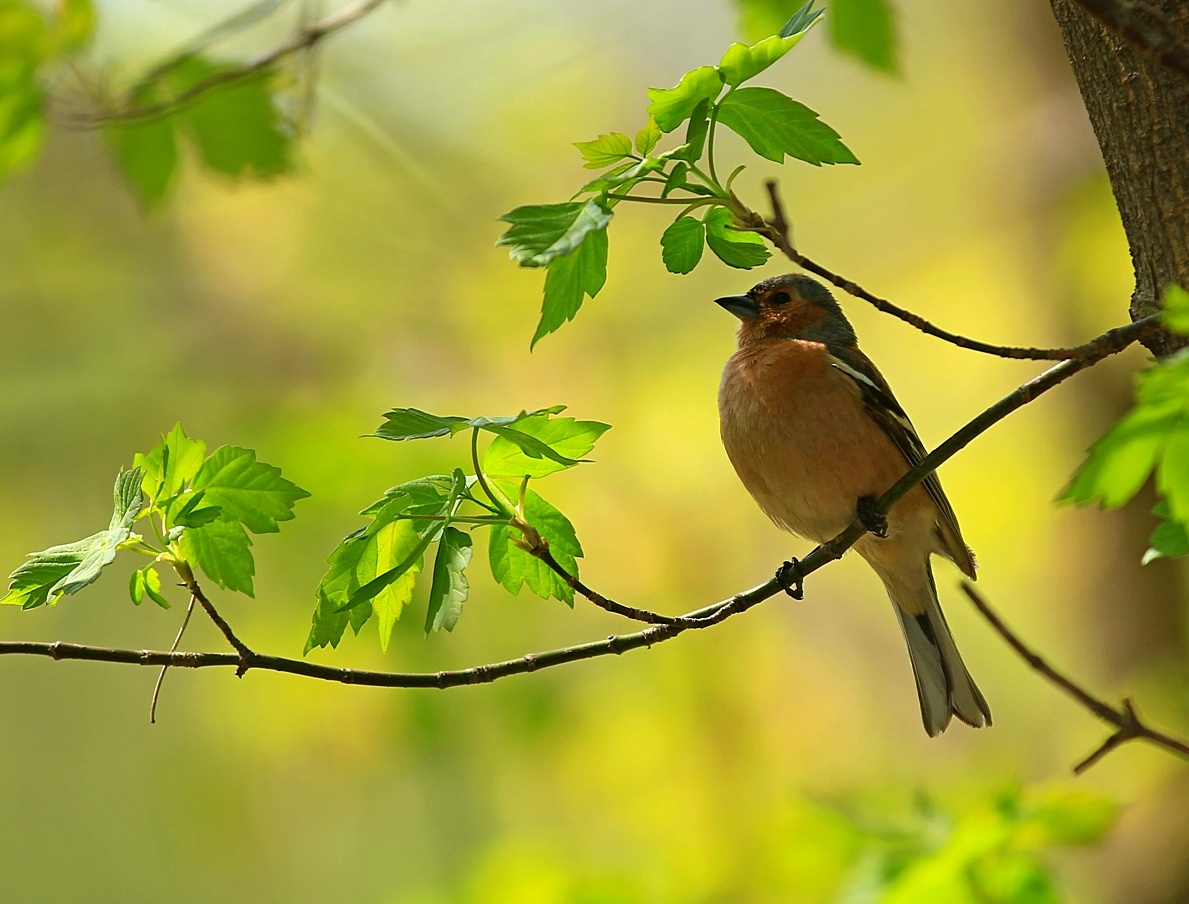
304 38
244 659
1128 725
776 230
1144 28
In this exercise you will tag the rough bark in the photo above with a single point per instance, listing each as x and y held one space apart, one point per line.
1140 114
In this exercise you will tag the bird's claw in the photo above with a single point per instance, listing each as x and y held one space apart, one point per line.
791 584
871 517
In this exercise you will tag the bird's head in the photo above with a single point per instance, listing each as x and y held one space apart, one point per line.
789 307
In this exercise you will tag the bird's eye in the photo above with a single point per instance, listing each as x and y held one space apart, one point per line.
780 298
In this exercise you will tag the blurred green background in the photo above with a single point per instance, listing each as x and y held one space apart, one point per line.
779 757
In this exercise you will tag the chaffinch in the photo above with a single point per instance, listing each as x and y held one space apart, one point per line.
815 434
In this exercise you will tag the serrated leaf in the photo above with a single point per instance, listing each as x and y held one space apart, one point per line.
606 150
1175 303
449 589
425 493
865 29
532 447
237 128
513 567
1119 463
775 125
742 62
543 233
735 248
647 138
223 550
379 549
1170 539
682 244
248 491
68 568
670 107
567 438
569 281
170 465
412 423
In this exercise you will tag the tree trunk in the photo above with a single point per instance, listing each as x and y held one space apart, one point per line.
1140 114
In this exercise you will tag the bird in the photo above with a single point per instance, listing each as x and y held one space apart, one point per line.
816 436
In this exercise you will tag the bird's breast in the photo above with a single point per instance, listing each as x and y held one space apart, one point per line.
796 431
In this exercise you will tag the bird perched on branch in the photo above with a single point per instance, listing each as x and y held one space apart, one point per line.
816 436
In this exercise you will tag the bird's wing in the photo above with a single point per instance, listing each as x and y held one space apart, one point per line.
881 404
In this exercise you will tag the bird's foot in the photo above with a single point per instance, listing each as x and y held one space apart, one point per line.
789 577
871 518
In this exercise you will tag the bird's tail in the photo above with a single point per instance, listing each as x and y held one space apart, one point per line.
944 686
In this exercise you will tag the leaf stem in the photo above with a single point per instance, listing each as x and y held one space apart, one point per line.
500 504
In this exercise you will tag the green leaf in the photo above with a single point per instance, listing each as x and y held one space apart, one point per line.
865 29
170 465
605 150
1121 460
412 423
223 550
147 154
733 247
647 138
1170 539
670 107
388 547
514 567
1176 308
682 243
742 62
68 568
146 582
696 132
237 128
427 495
248 491
449 589
676 178
542 233
774 125
568 439
569 280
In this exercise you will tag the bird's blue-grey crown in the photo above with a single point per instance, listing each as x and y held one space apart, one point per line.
836 330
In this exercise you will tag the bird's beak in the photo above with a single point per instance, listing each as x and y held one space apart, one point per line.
742 306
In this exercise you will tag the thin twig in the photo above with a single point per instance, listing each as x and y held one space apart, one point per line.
776 230
1128 725
1145 28
186 573
303 39
173 649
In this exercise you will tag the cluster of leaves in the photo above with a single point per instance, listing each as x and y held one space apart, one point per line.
1152 438
569 239
995 854
373 570
235 130
199 508
30 44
